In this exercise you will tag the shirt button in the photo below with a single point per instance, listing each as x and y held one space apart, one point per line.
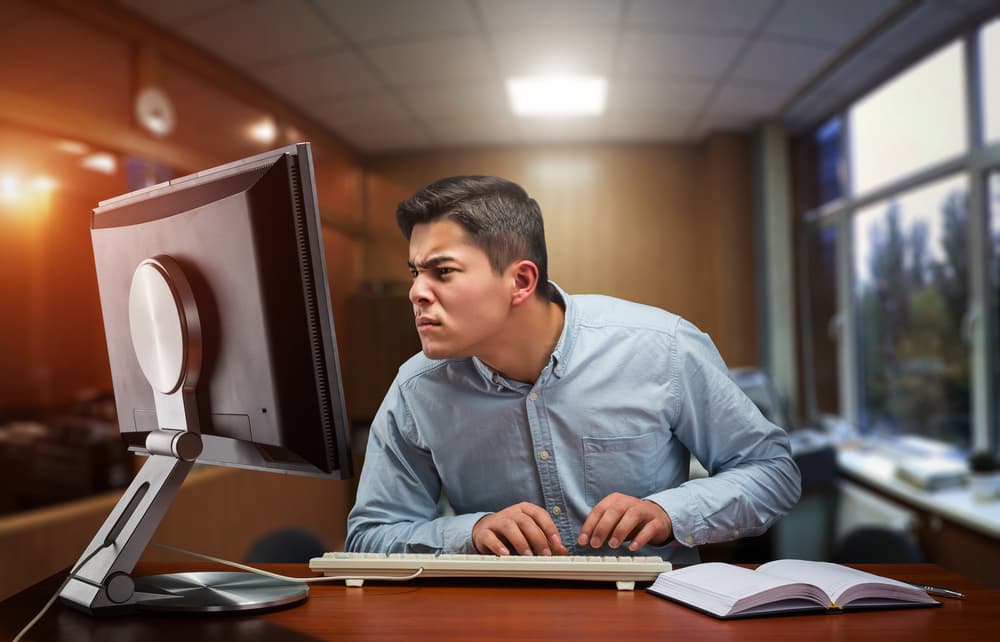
496 378
544 455
688 540
556 510
533 396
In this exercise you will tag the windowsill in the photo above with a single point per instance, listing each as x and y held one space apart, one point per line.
878 470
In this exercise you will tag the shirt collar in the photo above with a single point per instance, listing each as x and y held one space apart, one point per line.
557 362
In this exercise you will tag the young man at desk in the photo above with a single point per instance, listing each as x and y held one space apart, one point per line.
554 424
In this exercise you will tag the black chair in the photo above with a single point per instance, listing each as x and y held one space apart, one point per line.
876 545
288 545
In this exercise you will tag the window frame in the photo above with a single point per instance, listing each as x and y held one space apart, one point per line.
978 161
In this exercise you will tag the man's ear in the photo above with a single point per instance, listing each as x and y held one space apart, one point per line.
525 281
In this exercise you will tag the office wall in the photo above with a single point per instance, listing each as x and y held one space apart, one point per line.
70 74
80 88
666 225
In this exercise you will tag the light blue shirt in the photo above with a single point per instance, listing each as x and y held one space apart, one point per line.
629 393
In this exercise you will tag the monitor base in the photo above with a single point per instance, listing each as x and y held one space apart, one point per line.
216 592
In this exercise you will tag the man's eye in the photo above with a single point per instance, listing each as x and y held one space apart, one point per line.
413 273
445 271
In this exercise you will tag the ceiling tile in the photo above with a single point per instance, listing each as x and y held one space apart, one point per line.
362 111
918 28
631 96
738 17
542 130
558 52
780 63
659 55
564 15
484 129
748 101
335 74
432 63
177 12
646 127
831 23
719 121
465 101
261 31
396 136
382 20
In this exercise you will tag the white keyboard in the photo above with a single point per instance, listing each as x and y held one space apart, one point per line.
356 567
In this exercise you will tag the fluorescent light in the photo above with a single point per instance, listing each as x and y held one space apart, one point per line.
100 162
557 95
72 147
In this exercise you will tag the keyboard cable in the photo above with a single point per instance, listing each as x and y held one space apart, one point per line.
217 560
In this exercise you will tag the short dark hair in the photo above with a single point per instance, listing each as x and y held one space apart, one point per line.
496 213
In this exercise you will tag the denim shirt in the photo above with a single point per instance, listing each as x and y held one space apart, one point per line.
629 393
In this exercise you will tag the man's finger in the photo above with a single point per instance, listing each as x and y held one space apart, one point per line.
604 526
643 537
490 542
630 521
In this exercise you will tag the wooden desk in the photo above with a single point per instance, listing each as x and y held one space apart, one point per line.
500 610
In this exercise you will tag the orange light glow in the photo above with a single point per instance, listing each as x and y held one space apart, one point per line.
20 197
264 131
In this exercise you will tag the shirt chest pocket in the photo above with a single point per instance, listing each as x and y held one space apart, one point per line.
635 465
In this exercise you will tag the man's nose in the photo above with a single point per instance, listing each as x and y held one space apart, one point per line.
420 293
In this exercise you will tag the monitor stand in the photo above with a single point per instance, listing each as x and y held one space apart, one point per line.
166 336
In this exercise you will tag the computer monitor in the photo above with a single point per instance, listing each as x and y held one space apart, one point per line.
218 322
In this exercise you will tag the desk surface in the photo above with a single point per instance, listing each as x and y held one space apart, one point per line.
955 504
504 610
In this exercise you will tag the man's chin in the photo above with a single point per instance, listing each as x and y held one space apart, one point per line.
440 352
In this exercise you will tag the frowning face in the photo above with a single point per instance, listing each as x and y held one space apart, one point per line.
459 302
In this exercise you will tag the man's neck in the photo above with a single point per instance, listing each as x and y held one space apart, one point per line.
527 344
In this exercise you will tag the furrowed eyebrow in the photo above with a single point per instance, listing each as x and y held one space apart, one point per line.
431 262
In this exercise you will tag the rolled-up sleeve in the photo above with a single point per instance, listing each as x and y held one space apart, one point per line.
397 499
753 480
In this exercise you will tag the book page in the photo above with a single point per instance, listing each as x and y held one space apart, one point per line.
844 584
724 589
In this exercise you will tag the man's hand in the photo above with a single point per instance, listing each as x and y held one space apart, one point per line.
525 528
618 518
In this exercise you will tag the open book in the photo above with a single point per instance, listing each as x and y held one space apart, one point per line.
784 586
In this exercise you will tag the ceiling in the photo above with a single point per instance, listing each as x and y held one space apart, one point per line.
388 75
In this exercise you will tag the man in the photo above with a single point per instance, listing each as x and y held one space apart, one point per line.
554 424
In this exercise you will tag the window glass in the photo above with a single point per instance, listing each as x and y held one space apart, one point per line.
829 160
911 280
989 69
821 266
915 120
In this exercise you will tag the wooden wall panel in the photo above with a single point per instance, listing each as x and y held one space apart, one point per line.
666 225
728 232
51 57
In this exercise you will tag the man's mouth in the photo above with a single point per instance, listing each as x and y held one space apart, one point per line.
426 323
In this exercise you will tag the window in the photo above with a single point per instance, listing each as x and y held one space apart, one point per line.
915 120
829 153
901 252
989 73
911 277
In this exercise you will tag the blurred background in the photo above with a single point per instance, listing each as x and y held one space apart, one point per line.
814 184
